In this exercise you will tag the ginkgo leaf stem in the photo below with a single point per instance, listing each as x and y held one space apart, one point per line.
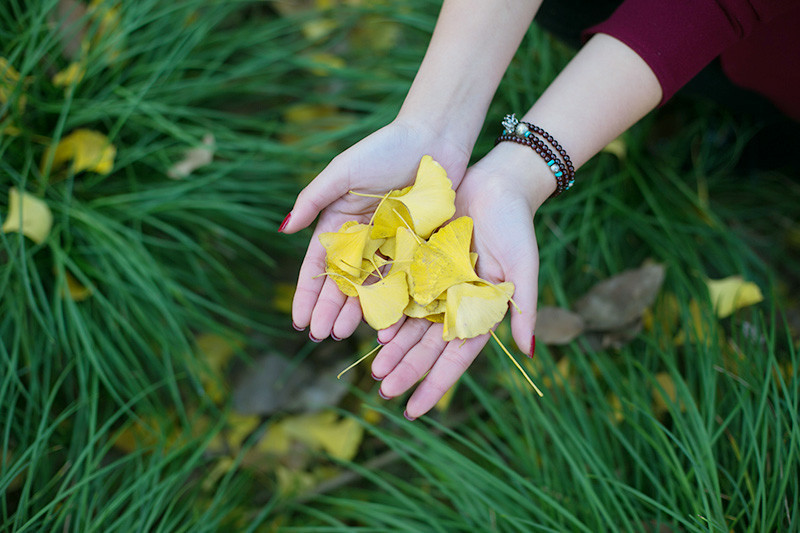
408 226
516 364
378 347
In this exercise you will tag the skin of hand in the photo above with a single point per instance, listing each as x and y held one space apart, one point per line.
584 109
501 193
386 160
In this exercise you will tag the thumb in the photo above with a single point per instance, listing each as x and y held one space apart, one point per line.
525 276
329 185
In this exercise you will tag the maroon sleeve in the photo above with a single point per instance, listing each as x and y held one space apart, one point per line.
677 38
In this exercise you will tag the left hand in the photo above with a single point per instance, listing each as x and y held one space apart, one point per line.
501 193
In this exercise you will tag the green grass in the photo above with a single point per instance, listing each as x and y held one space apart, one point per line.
167 260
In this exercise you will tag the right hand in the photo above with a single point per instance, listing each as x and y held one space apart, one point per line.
384 161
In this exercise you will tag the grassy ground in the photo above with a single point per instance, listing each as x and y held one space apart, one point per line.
123 329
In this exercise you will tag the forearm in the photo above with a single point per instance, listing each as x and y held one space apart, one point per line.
603 91
471 47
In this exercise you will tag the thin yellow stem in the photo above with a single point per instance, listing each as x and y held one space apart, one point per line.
408 227
365 195
383 199
378 347
516 364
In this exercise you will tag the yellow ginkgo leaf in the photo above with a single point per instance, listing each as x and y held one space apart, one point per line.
732 293
443 261
430 202
473 309
75 290
617 147
28 215
347 282
383 302
325 431
415 310
388 247
9 79
345 248
283 296
406 244
87 149
665 394
323 64
71 75
391 215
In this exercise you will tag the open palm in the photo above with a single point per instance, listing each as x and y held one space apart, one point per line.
506 244
384 161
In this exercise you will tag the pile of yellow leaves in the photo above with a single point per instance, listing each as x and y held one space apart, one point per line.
431 272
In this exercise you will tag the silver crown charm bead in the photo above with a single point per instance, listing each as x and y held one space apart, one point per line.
510 123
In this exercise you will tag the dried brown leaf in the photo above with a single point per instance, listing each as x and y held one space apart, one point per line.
621 300
555 325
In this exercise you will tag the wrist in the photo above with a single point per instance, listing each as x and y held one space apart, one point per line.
523 170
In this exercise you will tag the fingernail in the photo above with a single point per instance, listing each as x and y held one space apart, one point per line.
283 224
533 345
382 395
409 418
376 378
381 342
334 337
313 338
298 328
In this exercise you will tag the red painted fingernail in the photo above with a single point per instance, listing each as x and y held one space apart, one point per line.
298 328
313 338
283 224
334 337
376 378
533 345
409 418
382 395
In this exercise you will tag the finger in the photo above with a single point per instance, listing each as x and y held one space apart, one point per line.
386 335
414 364
326 311
524 273
408 335
310 279
329 185
348 319
453 362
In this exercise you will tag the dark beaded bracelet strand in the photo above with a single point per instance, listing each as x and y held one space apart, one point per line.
544 151
568 162
516 131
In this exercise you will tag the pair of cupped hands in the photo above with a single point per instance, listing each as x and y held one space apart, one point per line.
501 193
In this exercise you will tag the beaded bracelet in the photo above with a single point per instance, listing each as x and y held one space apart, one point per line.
526 133
544 151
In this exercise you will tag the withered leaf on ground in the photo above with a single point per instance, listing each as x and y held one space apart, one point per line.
621 299
556 325
273 383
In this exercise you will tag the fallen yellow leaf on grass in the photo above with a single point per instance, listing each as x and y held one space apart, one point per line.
87 149
9 80
28 215
340 438
732 293
75 290
71 75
